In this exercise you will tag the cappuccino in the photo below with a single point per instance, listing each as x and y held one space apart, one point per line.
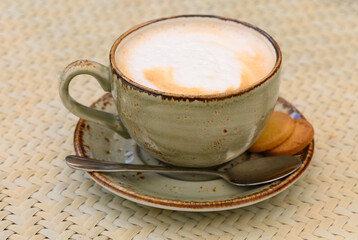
195 56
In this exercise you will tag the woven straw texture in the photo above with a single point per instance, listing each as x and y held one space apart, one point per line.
42 198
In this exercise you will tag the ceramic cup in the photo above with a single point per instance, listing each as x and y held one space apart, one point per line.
182 130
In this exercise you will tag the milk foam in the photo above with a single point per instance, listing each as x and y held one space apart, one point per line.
195 56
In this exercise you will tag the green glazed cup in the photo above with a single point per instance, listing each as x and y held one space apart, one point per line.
182 130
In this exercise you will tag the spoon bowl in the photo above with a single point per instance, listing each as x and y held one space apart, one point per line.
251 172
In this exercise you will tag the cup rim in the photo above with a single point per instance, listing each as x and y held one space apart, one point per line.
191 97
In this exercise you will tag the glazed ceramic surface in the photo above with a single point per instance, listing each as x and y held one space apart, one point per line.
196 133
174 191
183 130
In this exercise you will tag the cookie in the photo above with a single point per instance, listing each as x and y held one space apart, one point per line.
299 139
279 127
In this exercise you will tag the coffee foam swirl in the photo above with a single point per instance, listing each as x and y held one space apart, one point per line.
195 56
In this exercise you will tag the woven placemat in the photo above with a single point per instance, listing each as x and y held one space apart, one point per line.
42 198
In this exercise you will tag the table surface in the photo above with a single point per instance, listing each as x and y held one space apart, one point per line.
40 197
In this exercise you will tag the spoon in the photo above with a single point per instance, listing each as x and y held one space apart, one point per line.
251 172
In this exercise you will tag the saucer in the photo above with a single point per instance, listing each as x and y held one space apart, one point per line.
173 192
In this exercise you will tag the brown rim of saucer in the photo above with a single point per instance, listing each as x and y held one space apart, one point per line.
272 189
166 95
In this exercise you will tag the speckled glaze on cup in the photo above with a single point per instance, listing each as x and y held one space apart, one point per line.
183 130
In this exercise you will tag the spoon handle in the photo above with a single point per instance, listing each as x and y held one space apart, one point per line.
88 164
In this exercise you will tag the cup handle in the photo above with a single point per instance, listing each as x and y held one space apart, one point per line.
102 75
